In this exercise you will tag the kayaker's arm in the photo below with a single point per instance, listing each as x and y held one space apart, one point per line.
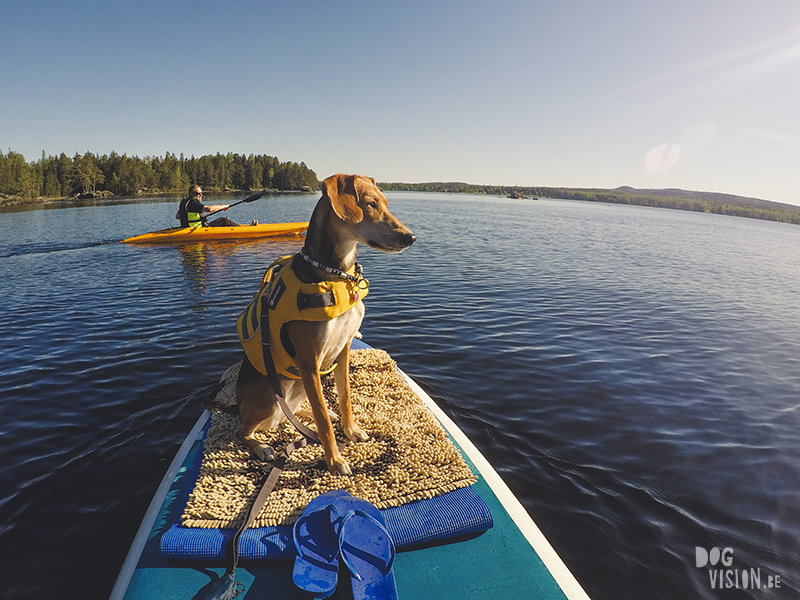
216 207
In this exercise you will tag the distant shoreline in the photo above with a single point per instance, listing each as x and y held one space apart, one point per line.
676 199
104 195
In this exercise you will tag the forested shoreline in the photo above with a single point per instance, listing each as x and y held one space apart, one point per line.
709 202
87 175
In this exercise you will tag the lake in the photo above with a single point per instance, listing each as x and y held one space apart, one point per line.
632 373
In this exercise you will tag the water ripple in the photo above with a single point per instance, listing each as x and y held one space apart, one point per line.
631 373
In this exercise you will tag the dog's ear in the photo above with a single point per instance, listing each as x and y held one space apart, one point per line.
341 190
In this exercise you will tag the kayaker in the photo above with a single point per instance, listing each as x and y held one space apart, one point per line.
190 212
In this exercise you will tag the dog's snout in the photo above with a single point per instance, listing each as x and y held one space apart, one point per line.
409 238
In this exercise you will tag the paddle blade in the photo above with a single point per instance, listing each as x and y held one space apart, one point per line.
255 196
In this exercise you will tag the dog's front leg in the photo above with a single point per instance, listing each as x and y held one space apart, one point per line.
342 376
333 458
308 365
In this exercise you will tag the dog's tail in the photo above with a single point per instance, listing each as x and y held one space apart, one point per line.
213 400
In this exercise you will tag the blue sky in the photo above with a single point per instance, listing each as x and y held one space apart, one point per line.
694 94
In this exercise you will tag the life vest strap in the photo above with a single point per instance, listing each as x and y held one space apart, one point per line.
269 364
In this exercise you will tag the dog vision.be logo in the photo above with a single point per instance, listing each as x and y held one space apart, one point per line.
722 576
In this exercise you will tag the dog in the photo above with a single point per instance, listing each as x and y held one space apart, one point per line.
351 211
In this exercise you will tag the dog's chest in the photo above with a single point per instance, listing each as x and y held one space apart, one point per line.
339 331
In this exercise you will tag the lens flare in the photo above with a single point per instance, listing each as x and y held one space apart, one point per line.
689 141
661 158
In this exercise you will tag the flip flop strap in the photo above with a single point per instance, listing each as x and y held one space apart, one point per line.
347 516
297 544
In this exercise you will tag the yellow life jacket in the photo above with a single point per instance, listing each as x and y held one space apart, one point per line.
189 219
289 299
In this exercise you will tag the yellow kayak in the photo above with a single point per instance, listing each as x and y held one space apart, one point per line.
190 234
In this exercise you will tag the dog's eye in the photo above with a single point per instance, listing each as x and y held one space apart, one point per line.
372 205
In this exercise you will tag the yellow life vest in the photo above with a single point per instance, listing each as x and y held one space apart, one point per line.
289 299
189 219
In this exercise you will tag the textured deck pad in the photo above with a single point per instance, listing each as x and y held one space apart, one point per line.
409 461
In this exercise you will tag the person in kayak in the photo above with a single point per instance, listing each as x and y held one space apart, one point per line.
190 212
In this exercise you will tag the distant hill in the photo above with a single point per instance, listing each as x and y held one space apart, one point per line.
713 196
709 202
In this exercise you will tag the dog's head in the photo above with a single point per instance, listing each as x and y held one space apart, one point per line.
357 201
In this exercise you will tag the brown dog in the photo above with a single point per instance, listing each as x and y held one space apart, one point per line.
352 210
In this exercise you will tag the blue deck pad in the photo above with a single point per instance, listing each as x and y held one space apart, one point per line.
457 513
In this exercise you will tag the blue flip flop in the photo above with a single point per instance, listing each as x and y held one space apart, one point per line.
366 548
317 564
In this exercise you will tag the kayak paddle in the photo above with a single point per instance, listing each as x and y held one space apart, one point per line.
252 198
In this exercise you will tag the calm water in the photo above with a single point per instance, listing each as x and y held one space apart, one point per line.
632 373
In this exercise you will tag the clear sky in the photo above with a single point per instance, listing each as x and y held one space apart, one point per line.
694 94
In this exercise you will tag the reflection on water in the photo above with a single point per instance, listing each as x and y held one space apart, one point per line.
193 256
632 373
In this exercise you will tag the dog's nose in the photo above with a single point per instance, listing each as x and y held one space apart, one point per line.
409 238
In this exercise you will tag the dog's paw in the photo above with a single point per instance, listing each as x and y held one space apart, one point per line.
339 467
356 434
264 452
